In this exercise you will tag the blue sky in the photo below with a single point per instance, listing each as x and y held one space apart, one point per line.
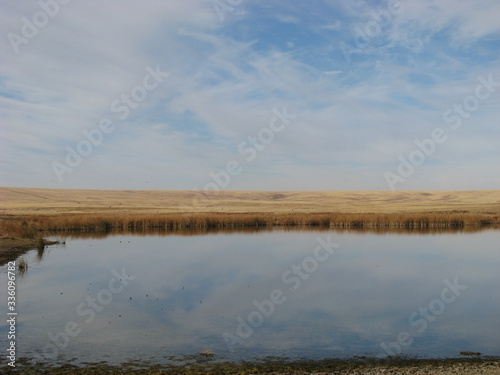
362 82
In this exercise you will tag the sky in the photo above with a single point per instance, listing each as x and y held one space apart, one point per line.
250 94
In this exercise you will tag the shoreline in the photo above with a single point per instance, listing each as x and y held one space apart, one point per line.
13 246
31 224
20 233
28 215
206 365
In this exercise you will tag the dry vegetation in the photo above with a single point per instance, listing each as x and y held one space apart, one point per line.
17 201
27 212
31 226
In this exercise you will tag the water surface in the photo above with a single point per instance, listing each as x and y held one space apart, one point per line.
180 295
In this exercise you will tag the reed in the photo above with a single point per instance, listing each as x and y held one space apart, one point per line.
30 227
17 229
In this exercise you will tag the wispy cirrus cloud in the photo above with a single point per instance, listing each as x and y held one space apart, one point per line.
353 117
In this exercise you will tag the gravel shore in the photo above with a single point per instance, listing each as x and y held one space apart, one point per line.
463 366
487 368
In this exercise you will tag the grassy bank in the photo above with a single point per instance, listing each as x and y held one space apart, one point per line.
32 226
19 234
27 215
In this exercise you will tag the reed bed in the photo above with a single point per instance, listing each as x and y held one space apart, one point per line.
62 236
29 227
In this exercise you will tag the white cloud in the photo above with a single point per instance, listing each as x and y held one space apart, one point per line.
464 20
332 72
353 119
286 18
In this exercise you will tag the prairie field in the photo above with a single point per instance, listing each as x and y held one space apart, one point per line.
25 212
22 201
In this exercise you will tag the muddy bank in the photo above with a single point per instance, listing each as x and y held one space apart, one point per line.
12 248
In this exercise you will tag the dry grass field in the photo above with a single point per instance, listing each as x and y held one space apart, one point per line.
21 201
25 213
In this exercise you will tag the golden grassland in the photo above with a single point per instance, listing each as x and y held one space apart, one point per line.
20 201
24 212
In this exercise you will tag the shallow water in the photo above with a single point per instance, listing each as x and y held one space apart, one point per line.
250 295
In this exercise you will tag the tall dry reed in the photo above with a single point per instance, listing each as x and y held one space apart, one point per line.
29 227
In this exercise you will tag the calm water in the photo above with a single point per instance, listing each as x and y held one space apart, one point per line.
249 295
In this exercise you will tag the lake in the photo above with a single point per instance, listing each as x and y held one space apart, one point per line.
248 295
